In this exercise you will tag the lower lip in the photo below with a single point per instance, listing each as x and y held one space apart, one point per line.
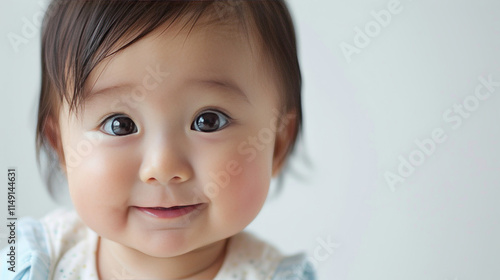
169 213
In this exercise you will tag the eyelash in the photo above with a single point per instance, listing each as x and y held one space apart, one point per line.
228 120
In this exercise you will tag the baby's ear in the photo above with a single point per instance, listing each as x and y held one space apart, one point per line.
284 133
52 133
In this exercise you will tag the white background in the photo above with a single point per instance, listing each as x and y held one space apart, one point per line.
442 222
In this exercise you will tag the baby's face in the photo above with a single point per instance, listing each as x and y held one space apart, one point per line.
174 121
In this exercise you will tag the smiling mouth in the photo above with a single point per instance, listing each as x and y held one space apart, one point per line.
170 212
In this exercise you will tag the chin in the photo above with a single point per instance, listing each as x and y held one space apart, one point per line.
166 247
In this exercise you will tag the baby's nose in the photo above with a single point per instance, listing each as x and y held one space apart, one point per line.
165 162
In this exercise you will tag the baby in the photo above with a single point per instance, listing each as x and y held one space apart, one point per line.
168 119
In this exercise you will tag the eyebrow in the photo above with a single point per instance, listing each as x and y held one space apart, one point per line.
204 82
104 90
220 83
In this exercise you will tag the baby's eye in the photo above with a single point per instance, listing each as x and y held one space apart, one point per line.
210 121
119 125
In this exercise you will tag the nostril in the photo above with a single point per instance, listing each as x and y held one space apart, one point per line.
151 180
176 178
156 181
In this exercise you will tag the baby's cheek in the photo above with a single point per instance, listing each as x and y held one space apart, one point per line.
242 200
100 175
99 185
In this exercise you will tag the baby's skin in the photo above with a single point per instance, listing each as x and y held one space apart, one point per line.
175 119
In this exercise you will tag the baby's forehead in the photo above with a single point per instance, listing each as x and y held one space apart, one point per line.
207 53
207 46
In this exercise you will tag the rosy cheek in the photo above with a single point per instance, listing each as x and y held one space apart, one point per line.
241 200
250 193
101 177
99 186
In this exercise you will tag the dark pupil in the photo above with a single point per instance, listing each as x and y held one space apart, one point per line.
208 122
122 126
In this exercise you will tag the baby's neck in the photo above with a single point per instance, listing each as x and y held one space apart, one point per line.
115 261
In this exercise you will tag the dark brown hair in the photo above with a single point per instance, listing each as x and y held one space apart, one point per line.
78 35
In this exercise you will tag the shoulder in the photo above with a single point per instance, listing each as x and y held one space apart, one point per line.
295 267
249 257
39 243
26 251
63 229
